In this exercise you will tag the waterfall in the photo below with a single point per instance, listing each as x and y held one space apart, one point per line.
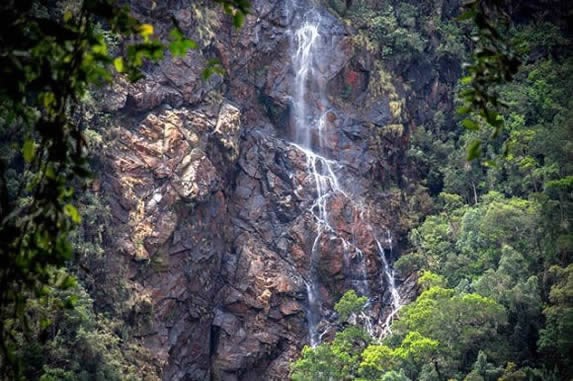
323 173
390 280
327 187
309 121
306 41
361 285
305 56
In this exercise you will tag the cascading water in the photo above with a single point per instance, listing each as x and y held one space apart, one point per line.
310 107
395 302
306 48
304 60
327 187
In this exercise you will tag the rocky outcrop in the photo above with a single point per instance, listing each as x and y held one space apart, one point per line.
211 204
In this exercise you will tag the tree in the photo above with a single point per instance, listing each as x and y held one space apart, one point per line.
338 360
556 339
350 304
453 326
493 63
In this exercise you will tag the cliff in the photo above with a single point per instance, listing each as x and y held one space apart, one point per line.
214 220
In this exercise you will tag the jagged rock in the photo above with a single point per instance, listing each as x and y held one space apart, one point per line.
115 96
212 207
195 177
290 308
228 129
228 322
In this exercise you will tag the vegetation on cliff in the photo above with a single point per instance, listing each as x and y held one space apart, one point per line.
494 253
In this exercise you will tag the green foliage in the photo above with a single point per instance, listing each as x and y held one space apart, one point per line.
238 9
394 376
492 249
494 255
430 147
338 360
442 327
477 319
45 72
376 360
390 32
428 280
379 361
464 242
393 38
72 342
556 338
452 41
493 63
482 370
349 304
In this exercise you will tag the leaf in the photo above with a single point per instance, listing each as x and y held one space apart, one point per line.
212 67
180 48
50 173
490 163
48 99
64 247
470 124
67 192
469 14
69 282
462 110
73 213
71 301
179 44
175 34
45 323
466 80
494 118
118 64
146 30
100 49
238 19
68 16
29 150
43 291
65 281
474 150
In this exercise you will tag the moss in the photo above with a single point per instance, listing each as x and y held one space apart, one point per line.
207 23
395 109
393 130
381 83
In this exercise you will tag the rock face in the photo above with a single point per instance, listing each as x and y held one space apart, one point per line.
211 202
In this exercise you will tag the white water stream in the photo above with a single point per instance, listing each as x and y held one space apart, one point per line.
306 42
309 84
395 303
